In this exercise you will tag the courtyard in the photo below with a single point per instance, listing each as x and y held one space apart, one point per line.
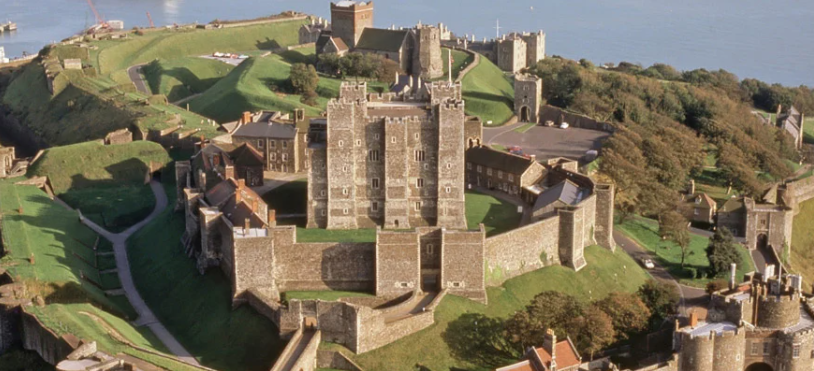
546 142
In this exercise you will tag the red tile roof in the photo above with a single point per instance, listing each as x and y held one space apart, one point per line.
566 355
520 366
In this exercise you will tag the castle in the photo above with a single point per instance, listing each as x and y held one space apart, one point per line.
764 323
417 51
511 53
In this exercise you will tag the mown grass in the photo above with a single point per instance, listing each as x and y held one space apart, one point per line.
48 249
323 295
460 60
180 78
113 207
525 128
196 308
488 93
606 272
646 233
802 241
808 130
497 216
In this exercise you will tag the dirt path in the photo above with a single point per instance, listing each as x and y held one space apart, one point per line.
145 315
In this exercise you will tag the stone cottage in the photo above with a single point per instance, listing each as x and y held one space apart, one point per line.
280 139
698 207
492 169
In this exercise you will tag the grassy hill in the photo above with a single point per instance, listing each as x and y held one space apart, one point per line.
183 77
460 60
105 182
802 241
488 93
606 272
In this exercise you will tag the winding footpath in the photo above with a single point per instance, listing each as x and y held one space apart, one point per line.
145 315
134 73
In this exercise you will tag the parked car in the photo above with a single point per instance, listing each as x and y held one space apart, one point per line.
647 263
242 56
549 123
564 125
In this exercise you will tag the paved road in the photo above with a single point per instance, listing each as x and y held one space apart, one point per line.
546 142
691 298
135 76
146 316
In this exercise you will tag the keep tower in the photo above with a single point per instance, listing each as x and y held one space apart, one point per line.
349 19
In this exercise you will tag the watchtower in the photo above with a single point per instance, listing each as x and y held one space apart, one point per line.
528 96
349 19
427 61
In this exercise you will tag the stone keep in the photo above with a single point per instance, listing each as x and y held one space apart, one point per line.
349 19
396 162
427 61
528 96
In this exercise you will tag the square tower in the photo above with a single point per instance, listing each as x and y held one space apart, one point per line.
528 96
535 47
349 19
427 61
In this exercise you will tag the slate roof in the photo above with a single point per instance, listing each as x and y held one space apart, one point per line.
267 130
324 38
566 191
246 155
734 204
381 39
498 160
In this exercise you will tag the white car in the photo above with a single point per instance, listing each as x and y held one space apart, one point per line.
647 263
242 56
564 125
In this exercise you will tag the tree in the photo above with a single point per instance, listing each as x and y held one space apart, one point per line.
722 252
595 331
479 338
549 309
628 313
661 298
304 80
673 227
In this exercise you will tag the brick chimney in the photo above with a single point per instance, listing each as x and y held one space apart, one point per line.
229 171
550 343
272 222
238 196
241 184
733 271
693 319
254 205
247 224
247 117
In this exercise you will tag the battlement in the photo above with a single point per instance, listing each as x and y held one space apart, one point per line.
352 5
402 120
452 105
794 297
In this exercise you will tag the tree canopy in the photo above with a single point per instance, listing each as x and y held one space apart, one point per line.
722 252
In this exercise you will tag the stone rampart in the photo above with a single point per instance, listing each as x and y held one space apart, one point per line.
50 346
325 266
696 352
522 250
288 351
778 311
398 262
336 360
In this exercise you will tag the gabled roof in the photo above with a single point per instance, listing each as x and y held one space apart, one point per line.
705 199
246 155
237 213
272 129
734 204
566 191
498 160
519 366
324 38
382 39
567 356
340 45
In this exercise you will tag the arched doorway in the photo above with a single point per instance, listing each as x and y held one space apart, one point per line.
762 241
759 366
524 114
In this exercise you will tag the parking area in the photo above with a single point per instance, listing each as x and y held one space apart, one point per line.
546 142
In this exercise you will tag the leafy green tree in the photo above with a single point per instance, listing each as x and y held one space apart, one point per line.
549 309
594 331
479 338
628 313
673 227
722 251
661 298
304 80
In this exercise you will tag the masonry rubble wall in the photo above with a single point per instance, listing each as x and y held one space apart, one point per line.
307 360
50 346
336 360
558 115
522 250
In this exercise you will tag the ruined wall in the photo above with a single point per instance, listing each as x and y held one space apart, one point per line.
398 263
462 267
120 136
37 337
522 250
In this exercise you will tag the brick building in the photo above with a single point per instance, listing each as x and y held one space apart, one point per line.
552 356
281 140
493 169
698 207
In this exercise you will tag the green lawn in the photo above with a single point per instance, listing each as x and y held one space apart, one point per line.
197 309
802 241
460 60
489 93
525 128
713 184
499 147
183 77
606 272
290 198
645 233
498 216
323 295
335 235
808 130
113 207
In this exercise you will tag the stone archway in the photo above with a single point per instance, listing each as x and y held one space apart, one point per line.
762 242
525 114
759 366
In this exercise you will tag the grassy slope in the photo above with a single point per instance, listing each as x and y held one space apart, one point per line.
645 233
195 308
802 242
460 60
488 93
183 77
808 130
105 182
606 272
497 216
173 44
61 247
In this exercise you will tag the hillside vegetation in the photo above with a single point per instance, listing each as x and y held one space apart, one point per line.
107 183
488 93
183 77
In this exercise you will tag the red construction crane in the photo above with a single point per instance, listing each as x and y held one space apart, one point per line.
99 19
150 18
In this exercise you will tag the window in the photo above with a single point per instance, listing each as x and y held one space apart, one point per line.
419 155
766 348
374 183
697 212
285 168
344 169
285 156
374 206
418 206
358 142
345 211
273 156
500 174
322 212
448 189
272 167
430 249
273 144
468 166
392 139
285 144
795 351
698 201
480 169
340 143
373 155
419 182
449 166
345 191
511 177
416 136
322 193
489 171
260 143
376 136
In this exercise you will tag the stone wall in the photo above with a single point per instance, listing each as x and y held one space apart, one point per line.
50 346
558 115
120 136
603 230
778 311
336 360
253 264
696 353
398 263
462 267
324 266
427 61
522 250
